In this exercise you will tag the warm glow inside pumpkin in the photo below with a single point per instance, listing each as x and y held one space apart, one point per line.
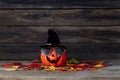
54 56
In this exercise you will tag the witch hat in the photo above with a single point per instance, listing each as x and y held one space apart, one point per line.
53 40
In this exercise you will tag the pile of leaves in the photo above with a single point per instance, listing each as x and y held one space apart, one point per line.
71 65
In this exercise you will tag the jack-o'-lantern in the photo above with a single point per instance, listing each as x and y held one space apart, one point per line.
53 53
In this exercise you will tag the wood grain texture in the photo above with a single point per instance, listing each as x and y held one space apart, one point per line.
67 34
90 29
79 51
60 17
59 3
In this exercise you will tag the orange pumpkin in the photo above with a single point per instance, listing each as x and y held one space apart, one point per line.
53 56
53 53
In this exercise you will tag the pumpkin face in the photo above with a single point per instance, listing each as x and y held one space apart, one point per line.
53 56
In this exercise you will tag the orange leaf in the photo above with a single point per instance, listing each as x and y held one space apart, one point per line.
7 65
98 66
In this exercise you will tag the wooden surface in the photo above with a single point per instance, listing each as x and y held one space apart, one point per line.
67 34
59 4
90 29
79 51
91 43
60 17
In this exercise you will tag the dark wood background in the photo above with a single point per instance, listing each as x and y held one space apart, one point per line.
60 4
90 29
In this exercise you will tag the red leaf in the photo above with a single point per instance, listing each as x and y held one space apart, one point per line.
7 65
35 66
27 68
18 64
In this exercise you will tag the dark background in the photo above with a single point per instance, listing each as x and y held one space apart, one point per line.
90 29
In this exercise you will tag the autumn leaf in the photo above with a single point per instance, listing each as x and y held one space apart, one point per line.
99 64
78 68
26 68
36 66
13 68
6 65
32 66
74 61
18 64
83 65
51 68
71 65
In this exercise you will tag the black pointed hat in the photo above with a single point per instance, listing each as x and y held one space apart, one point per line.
53 40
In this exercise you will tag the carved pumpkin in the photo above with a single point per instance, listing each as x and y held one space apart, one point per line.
53 57
53 53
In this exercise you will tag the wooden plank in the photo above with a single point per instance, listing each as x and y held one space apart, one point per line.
67 34
60 17
59 3
79 51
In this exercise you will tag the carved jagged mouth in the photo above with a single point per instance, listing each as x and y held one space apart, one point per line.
53 61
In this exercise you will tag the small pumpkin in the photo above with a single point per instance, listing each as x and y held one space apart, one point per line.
53 53
53 57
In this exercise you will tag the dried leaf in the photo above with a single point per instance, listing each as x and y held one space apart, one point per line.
32 66
27 68
98 66
18 64
7 65
13 68
71 65
53 68
74 61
